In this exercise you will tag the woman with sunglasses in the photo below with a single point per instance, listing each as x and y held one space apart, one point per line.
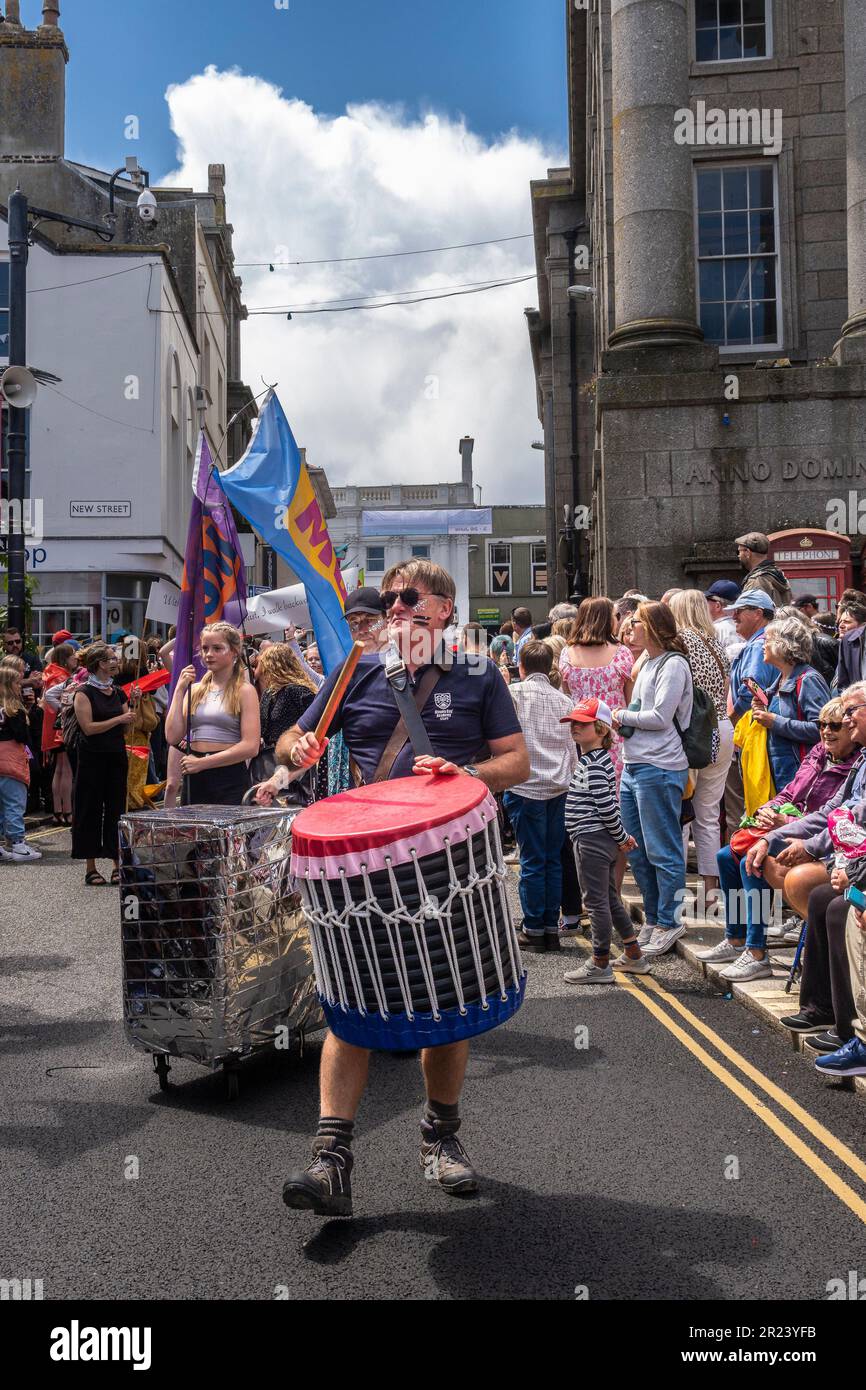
818 778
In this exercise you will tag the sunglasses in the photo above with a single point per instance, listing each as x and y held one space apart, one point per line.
411 597
850 710
834 724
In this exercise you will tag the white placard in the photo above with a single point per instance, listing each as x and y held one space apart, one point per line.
164 601
279 609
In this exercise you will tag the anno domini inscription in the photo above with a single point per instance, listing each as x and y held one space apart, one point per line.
763 471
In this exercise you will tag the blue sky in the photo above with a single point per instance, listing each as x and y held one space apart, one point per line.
498 62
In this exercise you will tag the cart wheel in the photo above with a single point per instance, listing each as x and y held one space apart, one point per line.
232 1083
162 1069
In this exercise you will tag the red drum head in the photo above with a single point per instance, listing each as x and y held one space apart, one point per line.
385 812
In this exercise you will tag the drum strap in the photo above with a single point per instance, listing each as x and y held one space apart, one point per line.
410 726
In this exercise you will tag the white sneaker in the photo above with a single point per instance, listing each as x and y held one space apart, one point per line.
747 968
590 974
792 935
661 940
776 932
5 852
723 952
22 851
644 936
641 966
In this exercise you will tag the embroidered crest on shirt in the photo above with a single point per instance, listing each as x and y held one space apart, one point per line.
442 702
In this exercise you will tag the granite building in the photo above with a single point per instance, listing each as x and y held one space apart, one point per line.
711 377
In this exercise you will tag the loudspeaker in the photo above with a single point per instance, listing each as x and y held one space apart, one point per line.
18 387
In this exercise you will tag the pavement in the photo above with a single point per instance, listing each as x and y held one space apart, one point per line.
645 1140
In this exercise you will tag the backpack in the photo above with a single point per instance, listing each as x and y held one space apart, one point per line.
70 730
697 739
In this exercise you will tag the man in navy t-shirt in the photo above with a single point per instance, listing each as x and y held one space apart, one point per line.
474 731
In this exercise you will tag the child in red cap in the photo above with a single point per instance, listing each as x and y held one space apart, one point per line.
594 825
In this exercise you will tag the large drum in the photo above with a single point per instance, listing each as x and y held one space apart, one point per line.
403 885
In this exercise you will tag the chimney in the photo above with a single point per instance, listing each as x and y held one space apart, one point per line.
467 444
32 85
216 187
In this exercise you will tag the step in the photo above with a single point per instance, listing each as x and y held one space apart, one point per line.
766 997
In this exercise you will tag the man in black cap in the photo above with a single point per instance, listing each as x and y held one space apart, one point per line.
752 551
719 596
365 617
808 605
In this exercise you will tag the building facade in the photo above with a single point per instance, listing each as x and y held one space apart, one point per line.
508 568
144 332
710 378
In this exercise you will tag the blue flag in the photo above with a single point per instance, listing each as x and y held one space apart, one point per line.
271 487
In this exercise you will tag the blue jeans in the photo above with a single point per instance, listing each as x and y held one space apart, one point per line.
539 827
13 800
651 799
747 900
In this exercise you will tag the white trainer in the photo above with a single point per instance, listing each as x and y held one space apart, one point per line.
662 940
747 968
720 954
641 966
590 974
22 851
644 936
5 852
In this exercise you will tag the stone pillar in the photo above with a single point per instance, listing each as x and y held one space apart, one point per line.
652 176
855 125
51 13
13 12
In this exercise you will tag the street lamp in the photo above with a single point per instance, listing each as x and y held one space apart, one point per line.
22 220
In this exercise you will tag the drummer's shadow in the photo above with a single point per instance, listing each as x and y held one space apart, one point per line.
516 1243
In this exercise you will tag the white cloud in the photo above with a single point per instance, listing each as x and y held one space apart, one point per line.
357 386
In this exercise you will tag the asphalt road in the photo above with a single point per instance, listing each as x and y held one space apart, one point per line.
604 1165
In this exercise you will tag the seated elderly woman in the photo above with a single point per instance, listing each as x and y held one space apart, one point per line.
795 698
816 783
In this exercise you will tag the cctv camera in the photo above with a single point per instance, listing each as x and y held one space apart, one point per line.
146 206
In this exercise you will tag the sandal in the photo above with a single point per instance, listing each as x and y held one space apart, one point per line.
95 880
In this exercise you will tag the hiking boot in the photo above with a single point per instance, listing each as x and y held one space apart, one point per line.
324 1187
444 1159
533 942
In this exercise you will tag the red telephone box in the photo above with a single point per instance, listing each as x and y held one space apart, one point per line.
816 562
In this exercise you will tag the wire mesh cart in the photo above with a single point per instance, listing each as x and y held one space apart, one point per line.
217 962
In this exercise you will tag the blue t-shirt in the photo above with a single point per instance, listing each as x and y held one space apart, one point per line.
469 706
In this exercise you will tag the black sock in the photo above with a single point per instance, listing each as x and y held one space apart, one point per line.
332 1128
437 1110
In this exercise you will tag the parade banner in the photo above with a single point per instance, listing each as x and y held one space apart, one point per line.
213 587
271 487
163 603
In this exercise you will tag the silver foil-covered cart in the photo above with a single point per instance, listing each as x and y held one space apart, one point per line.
217 961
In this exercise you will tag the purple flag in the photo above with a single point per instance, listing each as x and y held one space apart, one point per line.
214 587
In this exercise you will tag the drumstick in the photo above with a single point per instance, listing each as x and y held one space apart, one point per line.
338 691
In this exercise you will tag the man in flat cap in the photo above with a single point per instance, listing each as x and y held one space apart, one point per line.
761 573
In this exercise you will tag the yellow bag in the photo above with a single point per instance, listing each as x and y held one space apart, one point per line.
751 738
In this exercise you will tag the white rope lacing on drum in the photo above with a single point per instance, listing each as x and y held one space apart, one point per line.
338 933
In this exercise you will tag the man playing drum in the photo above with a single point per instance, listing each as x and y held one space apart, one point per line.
472 717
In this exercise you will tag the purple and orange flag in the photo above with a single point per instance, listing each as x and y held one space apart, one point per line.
213 588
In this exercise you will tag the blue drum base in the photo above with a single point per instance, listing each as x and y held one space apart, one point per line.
397 1033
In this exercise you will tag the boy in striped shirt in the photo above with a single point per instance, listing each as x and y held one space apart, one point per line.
594 825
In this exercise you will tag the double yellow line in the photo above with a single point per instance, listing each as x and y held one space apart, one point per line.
644 988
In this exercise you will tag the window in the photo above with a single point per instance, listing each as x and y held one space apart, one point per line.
420 552
47 621
4 310
538 564
375 563
738 258
729 31
499 568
